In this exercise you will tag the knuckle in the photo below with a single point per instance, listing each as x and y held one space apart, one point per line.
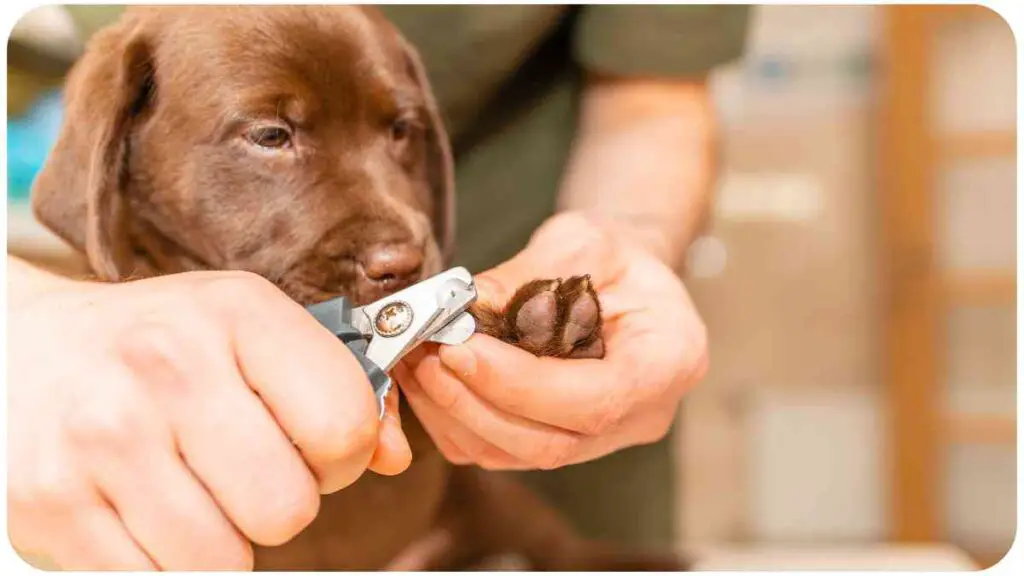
700 368
289 517
694 365
609 414
237 290
246 560
463 448
255 286
50 497
554 453
701 336
445 396
252 286
237 556
657 431
337 439
694 343
698 347
158 352
702 353
457 458
495 464
46 494
452 452
160 339
606 419
472 453
108 426
483 455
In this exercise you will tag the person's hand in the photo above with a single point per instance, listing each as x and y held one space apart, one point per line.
488 403
167 423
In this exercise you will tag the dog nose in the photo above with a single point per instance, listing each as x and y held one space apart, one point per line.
393 265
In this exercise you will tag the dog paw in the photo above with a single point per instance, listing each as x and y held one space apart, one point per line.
555 317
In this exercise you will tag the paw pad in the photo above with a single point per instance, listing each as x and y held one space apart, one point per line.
551 317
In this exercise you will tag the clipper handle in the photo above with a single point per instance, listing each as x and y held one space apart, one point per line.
336 316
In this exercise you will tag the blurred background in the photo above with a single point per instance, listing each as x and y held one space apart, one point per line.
859 285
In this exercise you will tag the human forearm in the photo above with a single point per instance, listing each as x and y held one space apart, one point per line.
644 156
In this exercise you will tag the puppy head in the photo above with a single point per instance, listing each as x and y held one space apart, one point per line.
300 143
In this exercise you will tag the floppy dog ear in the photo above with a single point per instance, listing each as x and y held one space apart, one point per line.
78 192
440 165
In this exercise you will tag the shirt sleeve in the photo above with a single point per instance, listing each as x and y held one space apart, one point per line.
675 41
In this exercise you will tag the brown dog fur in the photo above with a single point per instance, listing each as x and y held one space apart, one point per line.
303 144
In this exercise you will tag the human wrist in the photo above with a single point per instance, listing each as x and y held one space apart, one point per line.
651 234
654 239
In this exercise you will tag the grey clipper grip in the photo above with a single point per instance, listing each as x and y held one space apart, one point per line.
336 316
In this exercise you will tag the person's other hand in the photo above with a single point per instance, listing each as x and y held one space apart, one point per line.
489 403
167 423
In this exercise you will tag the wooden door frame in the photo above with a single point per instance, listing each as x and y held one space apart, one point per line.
911 311
918 293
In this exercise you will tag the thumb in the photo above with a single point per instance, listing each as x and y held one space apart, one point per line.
568 244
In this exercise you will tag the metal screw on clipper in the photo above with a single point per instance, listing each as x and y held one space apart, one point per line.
379 334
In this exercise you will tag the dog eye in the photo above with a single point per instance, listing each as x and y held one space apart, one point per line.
406 128
272 137
401 129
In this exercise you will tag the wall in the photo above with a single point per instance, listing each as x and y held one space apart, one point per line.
785 440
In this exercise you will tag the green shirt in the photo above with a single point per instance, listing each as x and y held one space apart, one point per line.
508 81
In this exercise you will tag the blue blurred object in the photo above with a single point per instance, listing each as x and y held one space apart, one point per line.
773 68
29 139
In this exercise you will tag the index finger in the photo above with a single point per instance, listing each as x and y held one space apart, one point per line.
311 383
640 369
580 395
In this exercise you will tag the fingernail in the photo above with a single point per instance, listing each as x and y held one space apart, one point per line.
459 359
393 452
489 288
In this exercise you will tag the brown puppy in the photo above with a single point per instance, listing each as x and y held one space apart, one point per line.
303 144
